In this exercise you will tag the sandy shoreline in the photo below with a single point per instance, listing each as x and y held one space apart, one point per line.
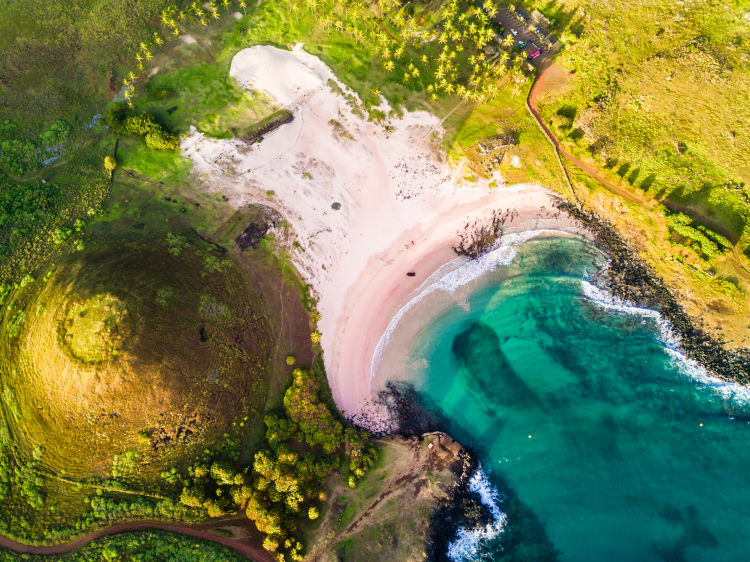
383 289
364 205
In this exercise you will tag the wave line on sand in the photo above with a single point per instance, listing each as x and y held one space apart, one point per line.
458 272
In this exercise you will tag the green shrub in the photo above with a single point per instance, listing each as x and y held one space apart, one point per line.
56 134
125 463
155 135
704 241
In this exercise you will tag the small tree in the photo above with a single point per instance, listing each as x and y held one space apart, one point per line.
110 164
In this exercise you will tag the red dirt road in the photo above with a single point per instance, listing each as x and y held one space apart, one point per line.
251 552
701 217
533 95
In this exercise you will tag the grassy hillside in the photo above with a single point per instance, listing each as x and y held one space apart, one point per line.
655 95
660 94
59 63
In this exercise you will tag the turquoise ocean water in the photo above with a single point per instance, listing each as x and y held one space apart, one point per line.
602 445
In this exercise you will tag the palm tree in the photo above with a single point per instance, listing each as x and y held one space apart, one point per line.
388 65
243 5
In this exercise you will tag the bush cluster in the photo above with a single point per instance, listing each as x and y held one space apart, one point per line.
704 241
303 446
21 476
154 134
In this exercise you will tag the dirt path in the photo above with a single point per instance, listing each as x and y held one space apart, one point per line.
533 95
251 552
696 214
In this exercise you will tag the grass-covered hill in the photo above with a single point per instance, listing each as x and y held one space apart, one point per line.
655 96
133 344
141 347
660 93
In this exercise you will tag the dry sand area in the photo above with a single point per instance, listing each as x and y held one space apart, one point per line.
402 204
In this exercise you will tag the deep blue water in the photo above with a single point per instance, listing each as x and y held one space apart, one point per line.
602 444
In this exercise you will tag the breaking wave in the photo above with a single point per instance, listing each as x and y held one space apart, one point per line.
729 391
456 273
468 542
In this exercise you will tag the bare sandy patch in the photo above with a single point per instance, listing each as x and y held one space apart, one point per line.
366 205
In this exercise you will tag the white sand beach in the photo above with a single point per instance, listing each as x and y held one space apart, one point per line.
402 205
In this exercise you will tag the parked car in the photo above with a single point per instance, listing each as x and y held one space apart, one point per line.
514 32
535 54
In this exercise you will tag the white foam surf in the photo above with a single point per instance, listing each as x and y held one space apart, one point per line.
455 274
728 391
468 542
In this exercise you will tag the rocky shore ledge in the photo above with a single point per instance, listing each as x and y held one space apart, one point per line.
633 281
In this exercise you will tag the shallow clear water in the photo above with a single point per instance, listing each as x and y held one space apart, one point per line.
599 440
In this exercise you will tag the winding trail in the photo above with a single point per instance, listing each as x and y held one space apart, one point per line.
696 214
197 532
531 104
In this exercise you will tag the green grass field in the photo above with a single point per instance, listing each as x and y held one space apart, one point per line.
655 94
93 273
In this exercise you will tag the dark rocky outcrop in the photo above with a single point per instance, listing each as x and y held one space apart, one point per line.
632 280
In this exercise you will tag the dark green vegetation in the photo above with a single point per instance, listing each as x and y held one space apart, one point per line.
304 445
58 65
141 546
